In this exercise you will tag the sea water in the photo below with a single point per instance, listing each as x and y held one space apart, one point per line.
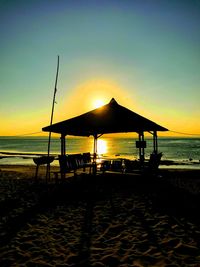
21 150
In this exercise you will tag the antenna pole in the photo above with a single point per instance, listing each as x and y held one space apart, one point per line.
51 121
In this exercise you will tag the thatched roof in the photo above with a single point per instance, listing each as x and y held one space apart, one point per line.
110 118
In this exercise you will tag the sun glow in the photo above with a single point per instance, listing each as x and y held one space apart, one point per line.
90 95
102 147
97 103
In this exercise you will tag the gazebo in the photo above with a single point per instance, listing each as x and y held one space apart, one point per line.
110 118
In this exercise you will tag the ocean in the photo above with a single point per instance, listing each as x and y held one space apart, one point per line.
21 150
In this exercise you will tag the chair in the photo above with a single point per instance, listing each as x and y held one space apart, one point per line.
117 166
132 165
105 165
66 164
87 161
154 162
112 165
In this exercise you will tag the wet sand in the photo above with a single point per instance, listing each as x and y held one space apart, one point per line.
110 220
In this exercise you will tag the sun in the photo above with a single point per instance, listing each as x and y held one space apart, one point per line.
98 103
89 95
102 146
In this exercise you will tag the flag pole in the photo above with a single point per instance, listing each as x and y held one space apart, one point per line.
51 121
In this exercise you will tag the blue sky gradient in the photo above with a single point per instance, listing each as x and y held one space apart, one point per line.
148 50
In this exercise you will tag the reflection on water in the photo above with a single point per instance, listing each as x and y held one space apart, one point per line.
102 146
182 150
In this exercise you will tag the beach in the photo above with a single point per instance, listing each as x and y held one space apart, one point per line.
107 220
106 94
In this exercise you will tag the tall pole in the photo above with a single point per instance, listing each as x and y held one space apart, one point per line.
51 120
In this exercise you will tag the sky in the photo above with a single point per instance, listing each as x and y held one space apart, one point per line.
145 54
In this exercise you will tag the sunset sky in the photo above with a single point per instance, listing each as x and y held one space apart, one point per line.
145 54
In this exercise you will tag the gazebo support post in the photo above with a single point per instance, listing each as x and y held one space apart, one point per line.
95 154
63 151
95 148
141 148
155 142
96 136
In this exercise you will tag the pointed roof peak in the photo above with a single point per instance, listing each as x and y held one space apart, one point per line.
113 101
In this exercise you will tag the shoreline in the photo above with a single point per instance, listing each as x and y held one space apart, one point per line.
18 158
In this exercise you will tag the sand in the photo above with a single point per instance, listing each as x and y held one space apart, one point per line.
110 220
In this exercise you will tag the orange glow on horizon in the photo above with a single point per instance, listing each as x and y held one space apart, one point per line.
92 94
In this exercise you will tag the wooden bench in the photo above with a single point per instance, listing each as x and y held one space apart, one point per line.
71 163
150 167
131 165
115 165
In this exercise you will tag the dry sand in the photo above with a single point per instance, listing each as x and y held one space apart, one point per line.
113 220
